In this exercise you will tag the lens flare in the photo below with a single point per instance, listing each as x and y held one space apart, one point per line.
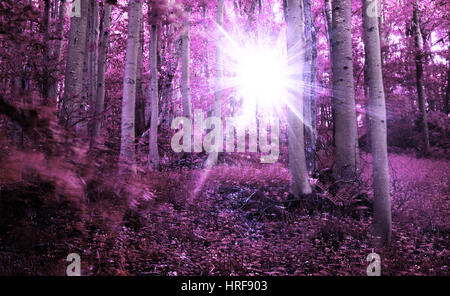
261 77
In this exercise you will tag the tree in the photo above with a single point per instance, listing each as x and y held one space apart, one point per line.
296 48
346 140
127 146
93 55
102 54
309 111
377 115
446 109
46 54
218 87
71 109
140 98
185 64
418 43
153 157
57 48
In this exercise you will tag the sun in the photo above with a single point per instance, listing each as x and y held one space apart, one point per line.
261 77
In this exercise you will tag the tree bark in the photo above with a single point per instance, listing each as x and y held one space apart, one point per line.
328 12
309 111
46 54
447 93
218 83
84 110
185 60
418 42
73 84
140 98
53 88
295 50
153 157
346 151
101 67
382 202
127 145
329 19
93 57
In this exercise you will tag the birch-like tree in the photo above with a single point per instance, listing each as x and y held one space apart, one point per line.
310 67
93 54
346 140
185 64
418 42
72 108
57 51
127 145
101 67
218 83
377 116
153 157
46 54
296 50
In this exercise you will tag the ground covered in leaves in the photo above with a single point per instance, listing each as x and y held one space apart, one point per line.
58 197
230 220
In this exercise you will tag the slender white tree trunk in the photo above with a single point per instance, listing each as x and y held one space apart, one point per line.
346 140
217 109
72 108
101 67
309 74
93 56
329 18
418 41
296 48
153 157
186 60
377 115
53 88
127 147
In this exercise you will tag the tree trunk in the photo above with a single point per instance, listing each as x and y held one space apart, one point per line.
82 124
309 96
93 58
217 108
171 65
140 98
127 145
73 84
46 53
328 12
295 50
153 157
418 42
447 93
329 19
53 88
101 67
382 202
185 60
346 151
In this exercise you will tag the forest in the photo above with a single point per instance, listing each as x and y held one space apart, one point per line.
224 137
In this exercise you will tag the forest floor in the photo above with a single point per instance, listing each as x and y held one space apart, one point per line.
225 221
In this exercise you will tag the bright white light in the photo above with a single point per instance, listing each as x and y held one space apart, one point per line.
261 77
